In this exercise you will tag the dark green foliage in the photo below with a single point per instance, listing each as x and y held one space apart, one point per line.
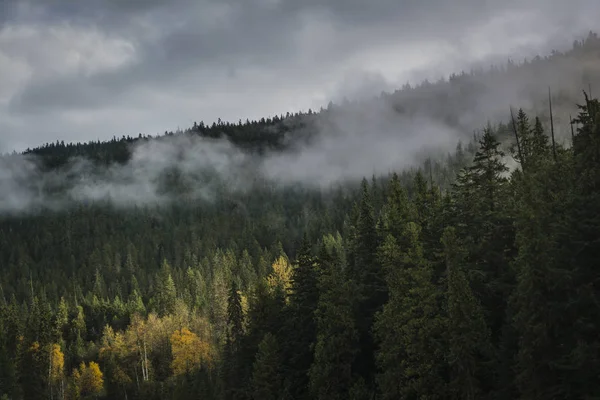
365 271
459 279
482 202
235 316
469 341
165 293
300 325
331 374
411 329
266 375
232 362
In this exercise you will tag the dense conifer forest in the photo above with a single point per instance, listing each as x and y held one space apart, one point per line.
472 275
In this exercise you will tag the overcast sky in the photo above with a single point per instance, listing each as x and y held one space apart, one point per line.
81 70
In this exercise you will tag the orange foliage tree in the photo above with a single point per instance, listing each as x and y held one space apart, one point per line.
189 352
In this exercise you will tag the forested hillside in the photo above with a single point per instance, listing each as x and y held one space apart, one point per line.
465 274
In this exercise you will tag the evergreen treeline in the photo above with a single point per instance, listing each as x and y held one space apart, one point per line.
445 100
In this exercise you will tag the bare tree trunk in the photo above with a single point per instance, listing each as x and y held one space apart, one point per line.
145 363
137 378
517 138
552 124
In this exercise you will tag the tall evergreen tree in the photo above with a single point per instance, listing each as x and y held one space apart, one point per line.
300 325
483 208
469 345
365 271
233 376
331 374
411 329
266 376
165 292
235 315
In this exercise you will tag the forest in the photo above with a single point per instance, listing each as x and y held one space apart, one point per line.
472 275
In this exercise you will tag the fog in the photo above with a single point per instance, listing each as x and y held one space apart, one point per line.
347 141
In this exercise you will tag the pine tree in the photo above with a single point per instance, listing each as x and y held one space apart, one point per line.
61 321
365 271
300 326
576 357
331 375
483 206
398 210
235 316
135 304
540 146
165 293
233 368
11 330
34 371
525 138
535 376
411 328
469 345
266 376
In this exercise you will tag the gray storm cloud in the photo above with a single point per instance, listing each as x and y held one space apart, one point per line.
107 67
87 72
345 142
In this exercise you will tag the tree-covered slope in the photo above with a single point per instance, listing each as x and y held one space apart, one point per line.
218 263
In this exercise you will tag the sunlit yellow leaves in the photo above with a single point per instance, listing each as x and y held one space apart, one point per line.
35 347
189 352
281 276
88 380
244 301
114 350
57 364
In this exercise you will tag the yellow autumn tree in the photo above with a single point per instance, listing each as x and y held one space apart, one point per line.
57 370
73 392
57 364
189 352
88 381
114 353
136 339
281 276
245 304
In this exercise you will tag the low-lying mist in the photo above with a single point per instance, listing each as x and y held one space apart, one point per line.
347 142
347 147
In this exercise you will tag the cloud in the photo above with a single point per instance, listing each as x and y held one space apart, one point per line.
155 65
79 72
342 143
359 140
200 167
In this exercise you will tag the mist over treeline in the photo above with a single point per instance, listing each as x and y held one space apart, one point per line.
340 143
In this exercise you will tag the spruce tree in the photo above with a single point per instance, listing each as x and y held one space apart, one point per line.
233 375
165 291
235 315
331 374
266 375
469 345
540 146
483 208
578 357
365 271
411 329
300 325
